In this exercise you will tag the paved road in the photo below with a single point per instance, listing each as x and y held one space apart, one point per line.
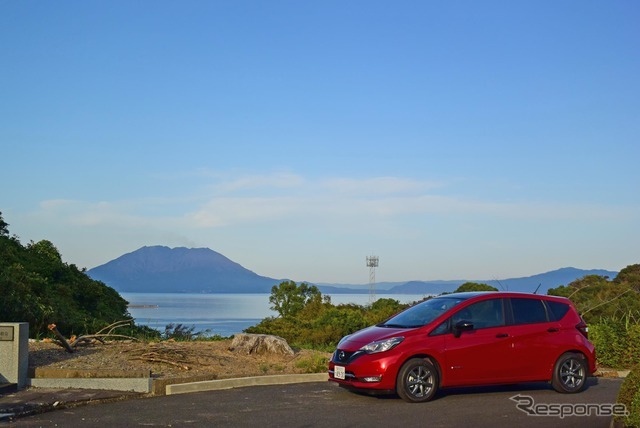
325 405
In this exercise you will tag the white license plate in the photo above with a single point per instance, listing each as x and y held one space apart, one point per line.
338 372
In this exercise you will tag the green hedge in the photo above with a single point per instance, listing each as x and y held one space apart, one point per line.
617 342
629 395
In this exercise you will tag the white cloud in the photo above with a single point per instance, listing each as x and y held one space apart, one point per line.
377 185
262 181
224 211
305 200
383 198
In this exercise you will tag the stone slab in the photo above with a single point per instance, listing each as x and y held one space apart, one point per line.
213 385
43 372
113 384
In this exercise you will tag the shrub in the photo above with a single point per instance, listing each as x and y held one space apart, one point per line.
382 309
629 395
320 325
287 328
617 341
143 332
180 332
315 363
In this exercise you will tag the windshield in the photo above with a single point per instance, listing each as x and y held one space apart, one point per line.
422 313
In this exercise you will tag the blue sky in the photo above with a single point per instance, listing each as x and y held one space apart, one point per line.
454 140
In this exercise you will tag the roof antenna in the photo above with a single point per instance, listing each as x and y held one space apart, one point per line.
537 288
500 284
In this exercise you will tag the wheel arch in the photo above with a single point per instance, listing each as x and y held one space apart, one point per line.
429 358
570 385
569 351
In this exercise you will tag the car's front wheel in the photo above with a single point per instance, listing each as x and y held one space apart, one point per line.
570 373
417 381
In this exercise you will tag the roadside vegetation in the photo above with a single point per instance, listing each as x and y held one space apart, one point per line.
307 319
629 395
611 308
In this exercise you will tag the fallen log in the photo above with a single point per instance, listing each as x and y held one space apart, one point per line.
63 341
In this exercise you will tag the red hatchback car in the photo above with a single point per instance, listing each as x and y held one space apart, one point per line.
465 339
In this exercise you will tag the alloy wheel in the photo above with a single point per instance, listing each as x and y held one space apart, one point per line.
572 373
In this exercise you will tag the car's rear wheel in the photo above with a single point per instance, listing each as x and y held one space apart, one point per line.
417 381
570 373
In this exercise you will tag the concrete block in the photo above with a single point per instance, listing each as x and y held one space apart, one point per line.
44 372
121 384
213 385
14 353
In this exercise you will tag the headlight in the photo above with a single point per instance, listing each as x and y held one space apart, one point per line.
381 345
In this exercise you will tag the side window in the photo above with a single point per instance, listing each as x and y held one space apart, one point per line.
557 309
484 314
443 328
528 311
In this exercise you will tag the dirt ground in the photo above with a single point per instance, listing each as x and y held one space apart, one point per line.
168 359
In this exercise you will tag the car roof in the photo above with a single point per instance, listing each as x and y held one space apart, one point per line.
472 294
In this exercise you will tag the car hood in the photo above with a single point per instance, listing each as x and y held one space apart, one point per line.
357 340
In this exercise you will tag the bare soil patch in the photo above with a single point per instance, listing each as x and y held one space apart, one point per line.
169 359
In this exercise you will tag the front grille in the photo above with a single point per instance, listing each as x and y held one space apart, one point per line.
345 357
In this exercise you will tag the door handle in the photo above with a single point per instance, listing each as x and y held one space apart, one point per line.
500 335
553 330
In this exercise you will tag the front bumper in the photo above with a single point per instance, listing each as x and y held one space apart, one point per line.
365 371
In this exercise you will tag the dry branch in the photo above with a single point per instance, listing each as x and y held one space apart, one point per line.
99 336
163 353
115 325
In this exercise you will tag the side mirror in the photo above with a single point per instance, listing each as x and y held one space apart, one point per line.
462 326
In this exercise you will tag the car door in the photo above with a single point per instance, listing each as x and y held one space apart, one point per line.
535 339
480 355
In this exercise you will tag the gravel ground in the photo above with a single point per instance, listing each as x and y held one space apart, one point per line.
170 359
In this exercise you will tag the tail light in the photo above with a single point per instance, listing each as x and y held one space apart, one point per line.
582 328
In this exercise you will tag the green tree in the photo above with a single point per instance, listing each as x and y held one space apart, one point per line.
288 298
39 288
597 298
4 227
382 309
474 286
630 276
335 323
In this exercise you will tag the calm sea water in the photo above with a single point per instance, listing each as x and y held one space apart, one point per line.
223 314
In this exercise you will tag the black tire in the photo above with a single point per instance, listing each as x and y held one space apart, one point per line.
570 373
417 381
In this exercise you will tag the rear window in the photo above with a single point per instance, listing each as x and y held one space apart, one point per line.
528 311
557 309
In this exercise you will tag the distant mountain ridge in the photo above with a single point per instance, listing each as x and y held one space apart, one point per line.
540 283
160 269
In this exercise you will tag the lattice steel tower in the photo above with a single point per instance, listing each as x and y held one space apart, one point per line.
372 263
